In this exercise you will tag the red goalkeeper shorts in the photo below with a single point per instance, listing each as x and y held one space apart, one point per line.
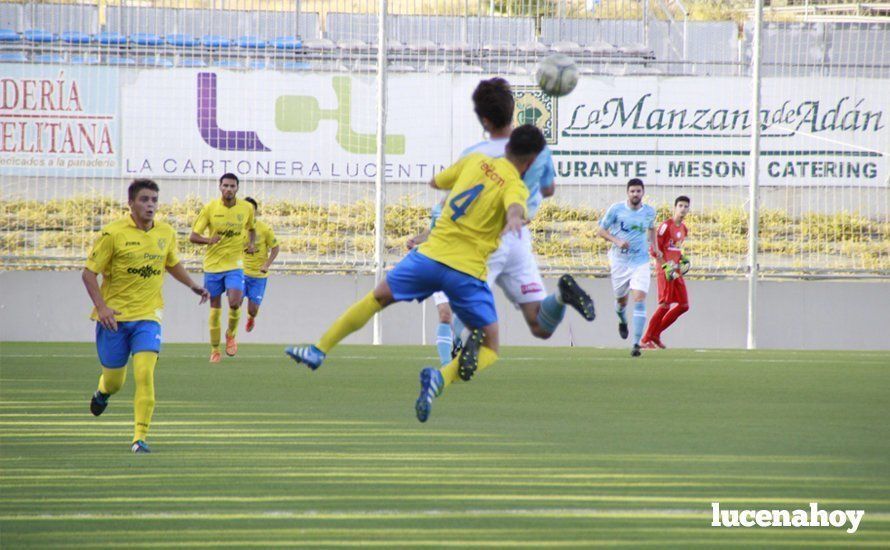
671 292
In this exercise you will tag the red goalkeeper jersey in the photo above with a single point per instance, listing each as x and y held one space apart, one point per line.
670 239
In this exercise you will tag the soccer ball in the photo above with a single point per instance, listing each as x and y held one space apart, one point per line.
557 75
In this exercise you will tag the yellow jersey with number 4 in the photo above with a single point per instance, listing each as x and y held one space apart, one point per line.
232 224
265 241
470 227
132 263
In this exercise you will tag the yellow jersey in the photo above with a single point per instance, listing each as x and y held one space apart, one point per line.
232 224
469 229
132 263
265 241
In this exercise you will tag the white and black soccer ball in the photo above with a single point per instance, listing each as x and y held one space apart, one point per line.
557 75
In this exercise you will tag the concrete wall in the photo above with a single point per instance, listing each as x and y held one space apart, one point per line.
53 306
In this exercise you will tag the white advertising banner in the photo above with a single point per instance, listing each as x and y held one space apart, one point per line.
666 130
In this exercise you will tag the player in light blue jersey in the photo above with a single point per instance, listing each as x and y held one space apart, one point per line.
630 227
513 266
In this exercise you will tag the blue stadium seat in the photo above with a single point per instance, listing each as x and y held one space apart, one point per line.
9 35
39 36
48 58
146 39
286 43
75 37
155 61
110 38
256 64
251 42
182 40
216 41
192 62
294 66
13 57
120 60
84 60
229 63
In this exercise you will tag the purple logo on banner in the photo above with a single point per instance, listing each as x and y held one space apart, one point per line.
211 133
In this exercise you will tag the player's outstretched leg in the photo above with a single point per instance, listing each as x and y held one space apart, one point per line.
431 384
639 319
110 382
573 295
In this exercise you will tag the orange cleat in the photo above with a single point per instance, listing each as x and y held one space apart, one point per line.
215 356
249 326
231 345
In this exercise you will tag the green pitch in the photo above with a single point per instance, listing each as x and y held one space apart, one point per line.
548 448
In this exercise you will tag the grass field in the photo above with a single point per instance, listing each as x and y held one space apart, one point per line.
549 448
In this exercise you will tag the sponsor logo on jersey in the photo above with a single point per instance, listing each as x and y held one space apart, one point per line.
145 271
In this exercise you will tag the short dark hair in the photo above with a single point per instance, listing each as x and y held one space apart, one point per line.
138 185
252 201
492 99
525 141
636 181
230 176
682 198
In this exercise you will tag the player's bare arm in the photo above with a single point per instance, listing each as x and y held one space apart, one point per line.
180 274
548 192
653 238
620 243
515 219
418 239
197 238
273 253
251 241
103 312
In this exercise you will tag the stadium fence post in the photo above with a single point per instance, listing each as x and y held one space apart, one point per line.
753 195
380 195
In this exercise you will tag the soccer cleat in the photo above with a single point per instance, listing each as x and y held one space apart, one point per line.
431 384
98 403
648 344
250 323
231 345
622 330
456 346
573 295
139 447
635 351
310 356
657 342
215 356
469 356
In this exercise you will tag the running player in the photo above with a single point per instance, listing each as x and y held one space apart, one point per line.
256 266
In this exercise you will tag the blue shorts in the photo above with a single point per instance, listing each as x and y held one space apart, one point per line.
131 337
416 277
217 283
254 288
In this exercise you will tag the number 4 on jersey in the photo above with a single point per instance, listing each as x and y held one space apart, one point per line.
461 202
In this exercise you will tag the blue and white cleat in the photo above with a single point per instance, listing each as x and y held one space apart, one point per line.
139 447
310 356
431 384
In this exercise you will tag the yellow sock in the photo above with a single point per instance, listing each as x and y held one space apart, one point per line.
112 380
144 400
487 358
353 319
215 315
234 317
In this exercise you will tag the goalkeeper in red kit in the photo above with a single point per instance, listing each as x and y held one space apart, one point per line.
672 299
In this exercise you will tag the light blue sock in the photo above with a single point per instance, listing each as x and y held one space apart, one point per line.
458 326
551 313
639 320
620 309
443 343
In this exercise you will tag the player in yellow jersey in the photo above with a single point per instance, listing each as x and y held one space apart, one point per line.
132 255
227 221
256 266
487 199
